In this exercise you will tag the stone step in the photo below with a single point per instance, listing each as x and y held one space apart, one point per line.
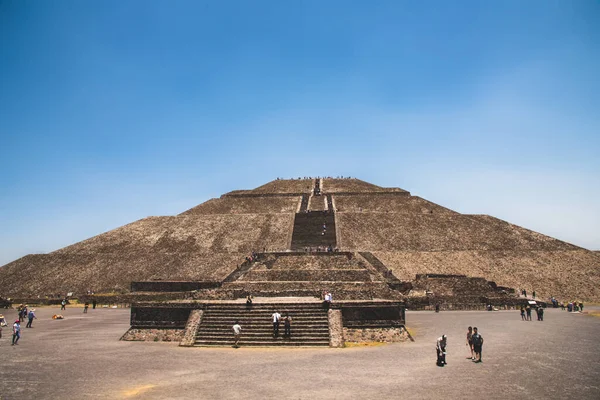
281 343
259 322
249 328
260 335
264 310
343 275
265 306
266 339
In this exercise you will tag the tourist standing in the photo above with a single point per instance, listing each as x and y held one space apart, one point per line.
63 304
528 311
441 351
30 318
94 302
540 312
276 317
237 330
16 332
477 345
86 305
287 325
327 300
523 314
470 341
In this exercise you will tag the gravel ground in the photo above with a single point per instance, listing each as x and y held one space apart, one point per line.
81 357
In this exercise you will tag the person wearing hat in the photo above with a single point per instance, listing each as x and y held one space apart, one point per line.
441 351
16 332
30 317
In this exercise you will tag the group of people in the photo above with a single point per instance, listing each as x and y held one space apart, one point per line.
276 319
526 313
573 306
474 341
320 249
24 312
287 324
314 177
524 293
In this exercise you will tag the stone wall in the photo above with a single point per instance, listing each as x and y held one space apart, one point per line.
153 335
336 335
370 335
161 315
172 286
191 328
374 315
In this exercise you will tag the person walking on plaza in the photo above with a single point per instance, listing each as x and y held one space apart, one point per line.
30 318
86 305
63 304
523 314
16 332
528 311
477 345
237 331
276 318
441 351
470 341
540 313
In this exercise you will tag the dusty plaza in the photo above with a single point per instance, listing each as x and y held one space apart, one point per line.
81 357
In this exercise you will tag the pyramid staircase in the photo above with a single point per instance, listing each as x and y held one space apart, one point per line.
309 324
300 274
308 230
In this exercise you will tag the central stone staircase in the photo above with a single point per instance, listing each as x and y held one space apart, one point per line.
310 326
309 232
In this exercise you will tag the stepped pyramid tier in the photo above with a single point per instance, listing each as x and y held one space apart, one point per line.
395 235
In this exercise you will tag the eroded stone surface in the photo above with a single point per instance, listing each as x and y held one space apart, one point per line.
191 328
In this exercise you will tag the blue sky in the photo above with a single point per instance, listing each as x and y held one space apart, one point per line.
111 111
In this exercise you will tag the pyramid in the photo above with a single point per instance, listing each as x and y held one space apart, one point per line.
401 234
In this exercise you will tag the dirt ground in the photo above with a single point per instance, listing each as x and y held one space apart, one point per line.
81 357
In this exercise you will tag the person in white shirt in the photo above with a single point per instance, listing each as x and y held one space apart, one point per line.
276 317
237 330
327 300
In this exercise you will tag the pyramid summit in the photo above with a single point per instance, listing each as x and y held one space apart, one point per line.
397 235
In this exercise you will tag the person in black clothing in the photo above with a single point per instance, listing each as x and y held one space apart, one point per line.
287 325
477 345
441 351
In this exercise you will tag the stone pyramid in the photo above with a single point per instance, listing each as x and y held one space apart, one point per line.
406 234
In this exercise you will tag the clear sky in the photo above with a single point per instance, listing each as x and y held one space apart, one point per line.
111 111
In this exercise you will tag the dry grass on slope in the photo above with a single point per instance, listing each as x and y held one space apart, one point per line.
387 203
432 232
352 186
44 274
568 275
246 205
200 233
286 186
523 234
203 247
318 203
